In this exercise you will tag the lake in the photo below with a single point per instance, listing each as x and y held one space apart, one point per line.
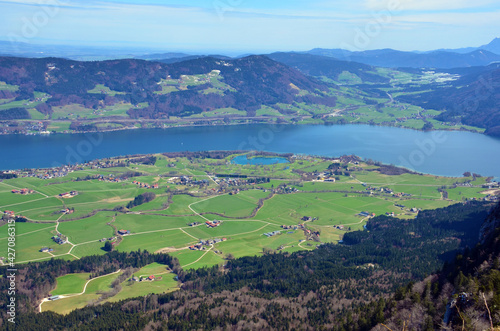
258 160
449 153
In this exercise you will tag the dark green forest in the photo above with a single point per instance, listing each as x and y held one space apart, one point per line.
354 286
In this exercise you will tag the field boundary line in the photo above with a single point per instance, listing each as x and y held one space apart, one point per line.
22 234
186 265
18 188
64 296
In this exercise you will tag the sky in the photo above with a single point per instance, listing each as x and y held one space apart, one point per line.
252 26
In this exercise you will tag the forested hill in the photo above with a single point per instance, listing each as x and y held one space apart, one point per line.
158 90
335 287
473 99
465 295
316 65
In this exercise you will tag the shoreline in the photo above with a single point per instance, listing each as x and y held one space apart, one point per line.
246 123
250 154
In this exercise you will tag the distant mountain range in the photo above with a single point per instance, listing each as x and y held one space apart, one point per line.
314 65
181 88
393 59
442 58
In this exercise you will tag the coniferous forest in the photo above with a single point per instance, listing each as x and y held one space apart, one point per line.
441 268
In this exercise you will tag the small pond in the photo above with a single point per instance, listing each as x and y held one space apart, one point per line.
258 160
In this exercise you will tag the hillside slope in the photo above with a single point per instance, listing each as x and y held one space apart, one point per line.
156 90
473 99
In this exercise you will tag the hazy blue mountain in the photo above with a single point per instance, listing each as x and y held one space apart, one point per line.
316 65
393 58
493 46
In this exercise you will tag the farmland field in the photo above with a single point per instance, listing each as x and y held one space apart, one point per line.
325 195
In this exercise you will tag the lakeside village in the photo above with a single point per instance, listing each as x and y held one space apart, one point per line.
231 184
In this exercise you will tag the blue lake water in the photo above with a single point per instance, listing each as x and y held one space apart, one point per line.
243 159
437 152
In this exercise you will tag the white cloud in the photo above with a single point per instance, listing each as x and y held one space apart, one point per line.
427 5
484 19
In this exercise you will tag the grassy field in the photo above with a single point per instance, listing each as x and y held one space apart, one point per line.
70 284
67 305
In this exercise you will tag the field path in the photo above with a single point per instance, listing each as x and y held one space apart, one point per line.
206 252
64 296
300 245
206 219
189 234
45 195
161 273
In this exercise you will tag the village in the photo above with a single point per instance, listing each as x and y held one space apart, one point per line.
205 243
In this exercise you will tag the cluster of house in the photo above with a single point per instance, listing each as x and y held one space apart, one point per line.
46 250
123 232
50 173
286 189
110 178
185 180
110 239
60 239
23 127
326 177
309 233
23 191
309 219
293 227
67 195
9 213
67 211
143 279
339 227
402 194
213 224
366 214
202 243
491 197
384 190
145 185
272 234
36 126
390 213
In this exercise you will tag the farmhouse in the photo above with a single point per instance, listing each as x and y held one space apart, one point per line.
67 195
151 278
213 224
60 239
272 234
23 191
123 232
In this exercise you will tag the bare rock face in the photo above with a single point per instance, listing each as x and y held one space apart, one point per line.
491 223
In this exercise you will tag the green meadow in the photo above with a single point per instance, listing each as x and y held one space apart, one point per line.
175 219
